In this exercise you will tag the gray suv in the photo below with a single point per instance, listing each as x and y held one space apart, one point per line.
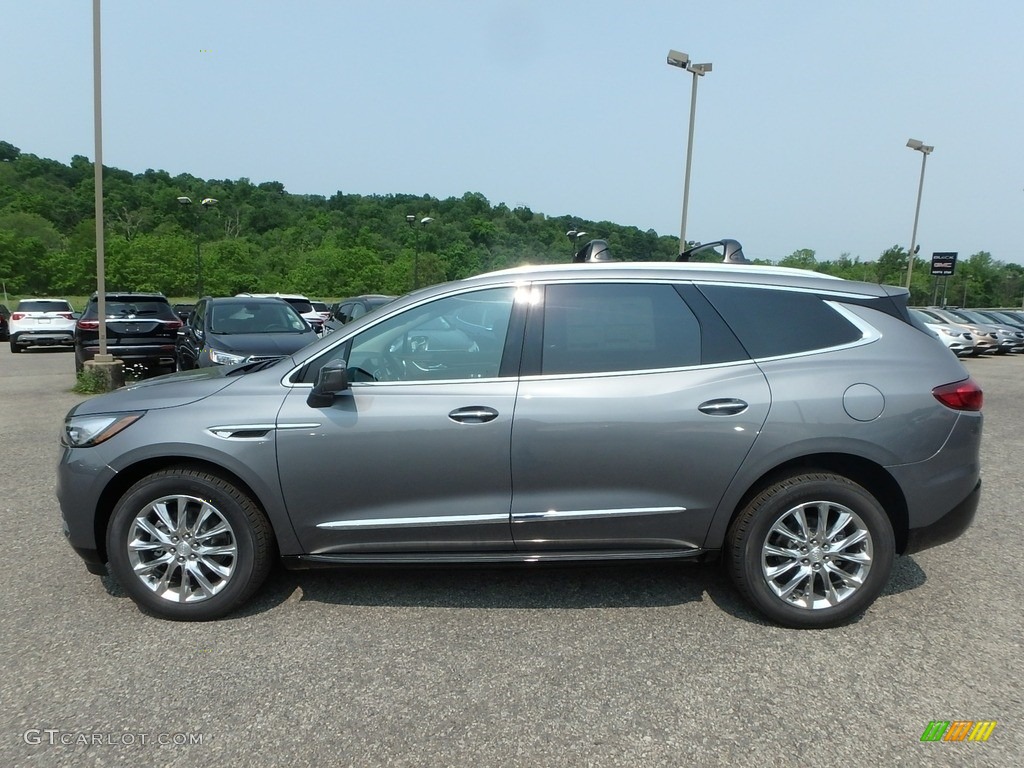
801 428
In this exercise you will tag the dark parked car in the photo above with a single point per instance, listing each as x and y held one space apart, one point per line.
801 427
183 311
5 316
141 331
347 310
226 331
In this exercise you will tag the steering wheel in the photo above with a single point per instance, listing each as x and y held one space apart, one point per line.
276 328
383 366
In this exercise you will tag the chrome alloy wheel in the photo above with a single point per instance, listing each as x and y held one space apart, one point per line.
816 555
182 548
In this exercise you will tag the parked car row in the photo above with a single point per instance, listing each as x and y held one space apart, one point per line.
974 332
153 337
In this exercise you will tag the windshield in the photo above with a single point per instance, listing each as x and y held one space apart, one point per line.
262 317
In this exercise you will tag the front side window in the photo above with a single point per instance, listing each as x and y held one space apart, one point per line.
595 328
430 342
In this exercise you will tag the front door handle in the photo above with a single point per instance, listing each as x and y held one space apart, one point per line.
724 406
474 414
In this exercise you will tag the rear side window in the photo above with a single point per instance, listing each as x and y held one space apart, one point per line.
770 322
594 328
38 305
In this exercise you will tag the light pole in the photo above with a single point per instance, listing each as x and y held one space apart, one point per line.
682 60
206 202
925 150
411 221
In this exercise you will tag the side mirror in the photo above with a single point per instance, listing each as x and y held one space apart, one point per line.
331 379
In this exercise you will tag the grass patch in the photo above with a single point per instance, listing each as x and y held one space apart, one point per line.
88 381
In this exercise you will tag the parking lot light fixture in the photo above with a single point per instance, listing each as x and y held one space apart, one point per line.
411 221
206 202
925 150
682 60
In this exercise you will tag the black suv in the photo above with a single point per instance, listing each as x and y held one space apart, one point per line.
347 310
5 315
141 331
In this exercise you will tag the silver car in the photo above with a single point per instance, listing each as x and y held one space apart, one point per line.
957 338
802 428
986 338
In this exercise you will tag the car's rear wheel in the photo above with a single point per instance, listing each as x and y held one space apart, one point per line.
14 347
188 545
811 551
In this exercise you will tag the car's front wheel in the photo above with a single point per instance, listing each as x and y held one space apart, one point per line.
188 545
811 551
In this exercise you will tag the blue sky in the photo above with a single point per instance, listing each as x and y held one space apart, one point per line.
564 106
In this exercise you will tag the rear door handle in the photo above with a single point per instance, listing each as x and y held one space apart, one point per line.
474 414
725 406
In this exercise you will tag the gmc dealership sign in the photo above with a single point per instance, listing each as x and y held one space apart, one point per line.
943 264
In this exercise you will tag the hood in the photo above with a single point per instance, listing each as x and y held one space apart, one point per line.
168 391
247 344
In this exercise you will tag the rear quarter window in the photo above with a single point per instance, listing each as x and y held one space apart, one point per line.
770 322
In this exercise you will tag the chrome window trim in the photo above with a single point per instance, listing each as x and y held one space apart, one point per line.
869 334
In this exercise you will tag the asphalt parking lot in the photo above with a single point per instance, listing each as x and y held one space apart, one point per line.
643 665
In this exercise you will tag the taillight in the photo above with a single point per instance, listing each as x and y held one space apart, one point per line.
173 324
89 325
963 395
66 315
18 315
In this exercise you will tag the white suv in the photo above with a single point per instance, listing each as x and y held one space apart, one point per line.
42 322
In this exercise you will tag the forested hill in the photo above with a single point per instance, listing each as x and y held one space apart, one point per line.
259 237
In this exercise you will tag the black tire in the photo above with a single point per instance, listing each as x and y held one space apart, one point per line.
15 349
219 543
792 573
79 365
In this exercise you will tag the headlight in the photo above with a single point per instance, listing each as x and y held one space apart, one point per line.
87 431
224 358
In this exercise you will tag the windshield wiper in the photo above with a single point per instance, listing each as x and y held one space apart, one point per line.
252 367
